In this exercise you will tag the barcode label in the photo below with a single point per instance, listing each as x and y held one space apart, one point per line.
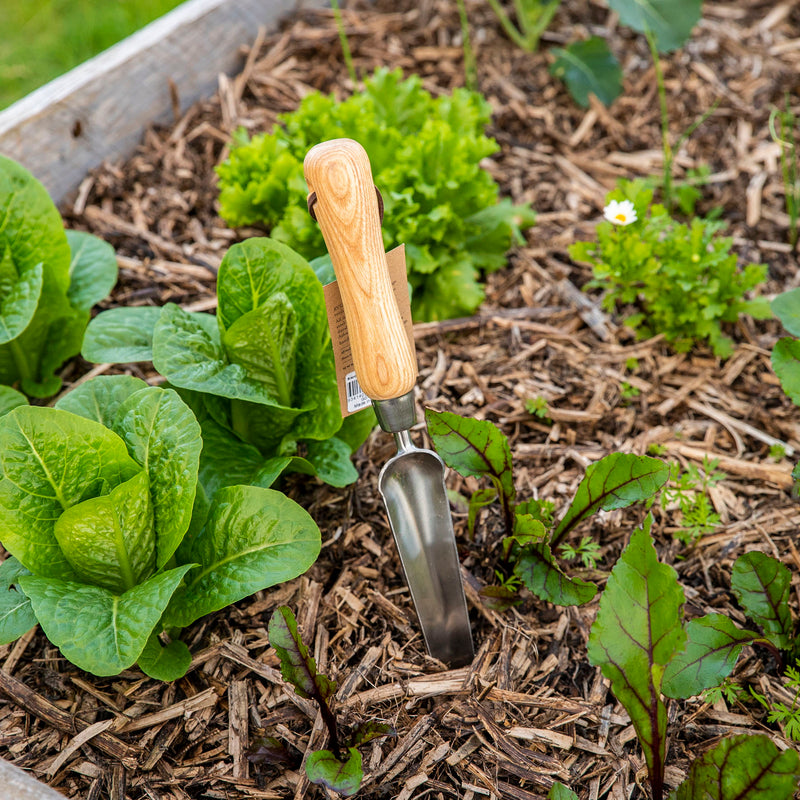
356 399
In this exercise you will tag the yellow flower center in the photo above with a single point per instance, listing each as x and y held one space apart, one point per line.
621 217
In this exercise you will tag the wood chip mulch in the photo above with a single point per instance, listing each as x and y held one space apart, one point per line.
530 710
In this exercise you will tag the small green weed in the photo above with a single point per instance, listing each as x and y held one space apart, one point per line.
537 406
689 490
348 57
728 690
788 717
632 364
533 17
588 550
628 392
689 196
687 193
777 452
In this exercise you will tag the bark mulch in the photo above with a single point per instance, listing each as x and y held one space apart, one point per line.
530 710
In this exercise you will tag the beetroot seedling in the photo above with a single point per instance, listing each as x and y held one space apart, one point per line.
338 768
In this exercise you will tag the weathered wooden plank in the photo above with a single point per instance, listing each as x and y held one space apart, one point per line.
100 109
16 784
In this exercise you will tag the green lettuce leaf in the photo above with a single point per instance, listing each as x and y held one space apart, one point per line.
260 377
188 351
356 428
92 269
452 290
250 273
16 614
121 335
271 469
100 398
331 462
19 302
164 663
10 399
163 436
225 459
492 228
31 226
255 270
59 336
254 538
96 630
52 460
39 326
109 540
264 342
426 158
316 385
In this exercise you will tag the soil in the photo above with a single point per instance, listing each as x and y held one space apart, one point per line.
530 709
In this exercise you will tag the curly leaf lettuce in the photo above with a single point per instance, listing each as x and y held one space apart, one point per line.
425 154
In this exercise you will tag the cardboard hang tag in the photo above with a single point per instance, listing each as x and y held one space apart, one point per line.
351 396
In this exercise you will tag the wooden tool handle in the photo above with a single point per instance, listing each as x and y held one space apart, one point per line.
346 207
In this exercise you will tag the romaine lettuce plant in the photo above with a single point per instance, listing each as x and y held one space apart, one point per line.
260 376
110 545
49 280
425 155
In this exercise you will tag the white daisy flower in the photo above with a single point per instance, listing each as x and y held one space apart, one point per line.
620 212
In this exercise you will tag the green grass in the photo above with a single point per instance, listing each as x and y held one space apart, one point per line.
41 39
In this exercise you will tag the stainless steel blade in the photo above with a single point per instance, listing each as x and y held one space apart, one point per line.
413 490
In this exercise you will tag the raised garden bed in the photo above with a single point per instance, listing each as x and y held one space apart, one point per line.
531 709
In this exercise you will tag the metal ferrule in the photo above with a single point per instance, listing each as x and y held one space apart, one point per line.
397 414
